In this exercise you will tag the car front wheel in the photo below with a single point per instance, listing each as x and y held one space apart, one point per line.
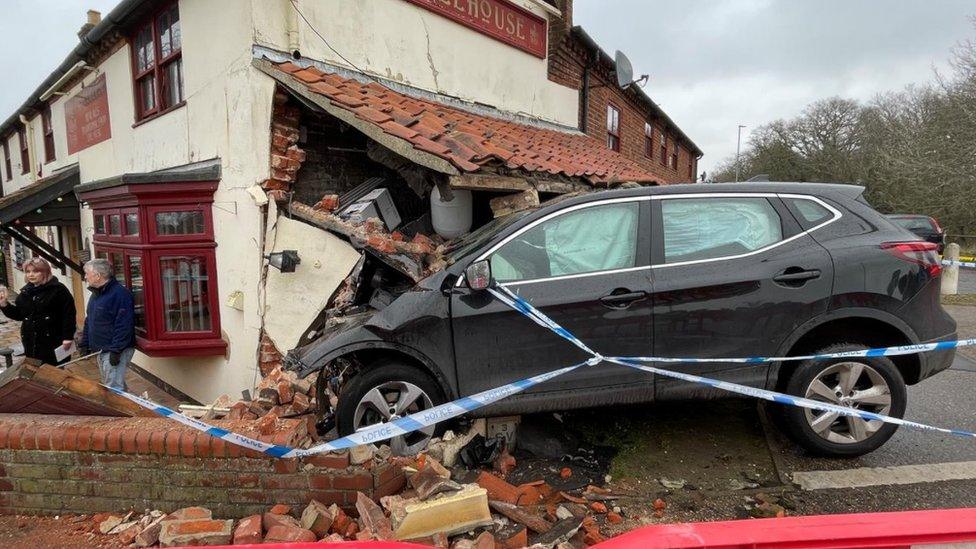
386 392
870 384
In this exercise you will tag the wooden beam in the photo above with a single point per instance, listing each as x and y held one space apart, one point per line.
511 203
482 182
22 238
62 259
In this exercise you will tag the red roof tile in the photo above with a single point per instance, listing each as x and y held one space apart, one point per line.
471 141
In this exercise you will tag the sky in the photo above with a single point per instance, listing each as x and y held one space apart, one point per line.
713 64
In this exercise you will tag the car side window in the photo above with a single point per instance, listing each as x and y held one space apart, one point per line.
809 210
711 228
592 239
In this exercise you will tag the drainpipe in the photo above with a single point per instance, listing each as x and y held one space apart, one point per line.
30 148
293 30
585 95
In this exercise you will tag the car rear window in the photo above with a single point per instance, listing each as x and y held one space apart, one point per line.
809 210
914 223
709 228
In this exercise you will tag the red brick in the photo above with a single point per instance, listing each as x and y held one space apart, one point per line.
84 438
28 439
142 442
498 489
70 441
334 460
280 509
196 532
4 435
57 439
218 447
331 497
286 534
188 443
271 520
393 486
129 441
157 442
204 442
98 443
173 443
248 530
355 481
286 466
114 441
6 485
319 482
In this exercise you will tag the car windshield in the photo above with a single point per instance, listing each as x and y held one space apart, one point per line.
473 240
914 223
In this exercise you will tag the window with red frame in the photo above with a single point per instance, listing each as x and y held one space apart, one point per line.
613 128
24 151
664 149
157 63
48 129
160 242
8 169
648 140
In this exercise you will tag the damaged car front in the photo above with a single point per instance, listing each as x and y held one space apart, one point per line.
383 347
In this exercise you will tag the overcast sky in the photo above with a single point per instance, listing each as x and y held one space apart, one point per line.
714 64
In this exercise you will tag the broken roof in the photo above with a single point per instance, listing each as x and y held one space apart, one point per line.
467 141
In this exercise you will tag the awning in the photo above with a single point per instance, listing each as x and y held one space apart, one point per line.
462 140
47 202
23 204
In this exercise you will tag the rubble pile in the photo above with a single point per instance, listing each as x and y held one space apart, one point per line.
451 508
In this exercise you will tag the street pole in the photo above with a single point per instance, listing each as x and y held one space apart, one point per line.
738 144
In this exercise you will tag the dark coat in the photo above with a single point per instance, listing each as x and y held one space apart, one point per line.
47 315
110 322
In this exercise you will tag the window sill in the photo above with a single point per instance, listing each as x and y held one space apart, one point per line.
154 116
186 347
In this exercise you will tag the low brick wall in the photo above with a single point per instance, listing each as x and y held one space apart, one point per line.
64 464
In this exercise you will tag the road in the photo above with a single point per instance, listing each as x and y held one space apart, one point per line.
727 453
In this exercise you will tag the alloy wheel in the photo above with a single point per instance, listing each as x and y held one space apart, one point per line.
390 401
853 385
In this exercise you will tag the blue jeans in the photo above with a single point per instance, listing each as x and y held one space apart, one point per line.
114 376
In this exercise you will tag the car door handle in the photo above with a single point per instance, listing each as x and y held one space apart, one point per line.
796 277
622 298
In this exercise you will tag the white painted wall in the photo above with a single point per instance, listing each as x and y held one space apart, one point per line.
406 43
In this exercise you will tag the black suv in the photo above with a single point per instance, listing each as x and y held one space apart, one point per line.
728 270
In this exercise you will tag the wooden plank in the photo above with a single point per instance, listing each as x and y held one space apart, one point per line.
479 182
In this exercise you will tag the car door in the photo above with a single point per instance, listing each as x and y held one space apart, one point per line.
734 276
587 267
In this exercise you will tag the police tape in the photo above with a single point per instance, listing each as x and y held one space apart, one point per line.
368 435
955 263
426 418
539 317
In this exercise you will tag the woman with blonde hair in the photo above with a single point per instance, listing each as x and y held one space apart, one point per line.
46 311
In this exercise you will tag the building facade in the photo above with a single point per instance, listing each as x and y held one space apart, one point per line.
167 144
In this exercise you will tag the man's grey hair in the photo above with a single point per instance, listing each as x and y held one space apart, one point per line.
101 267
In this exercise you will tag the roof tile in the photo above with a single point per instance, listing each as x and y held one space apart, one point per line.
470 141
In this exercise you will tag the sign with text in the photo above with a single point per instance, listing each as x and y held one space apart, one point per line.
498 19
86 116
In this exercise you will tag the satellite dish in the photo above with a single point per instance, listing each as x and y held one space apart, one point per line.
625 70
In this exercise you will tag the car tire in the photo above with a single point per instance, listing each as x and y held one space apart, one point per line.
392 380
866 380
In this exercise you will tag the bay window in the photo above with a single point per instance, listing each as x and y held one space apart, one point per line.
159 238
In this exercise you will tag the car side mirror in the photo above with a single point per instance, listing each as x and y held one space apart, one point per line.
478 275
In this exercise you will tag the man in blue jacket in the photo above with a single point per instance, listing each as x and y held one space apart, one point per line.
109 323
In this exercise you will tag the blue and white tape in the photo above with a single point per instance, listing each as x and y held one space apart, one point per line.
539 317
954 263
414 422
368 435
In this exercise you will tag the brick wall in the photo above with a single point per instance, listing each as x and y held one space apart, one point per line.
66 464
286 156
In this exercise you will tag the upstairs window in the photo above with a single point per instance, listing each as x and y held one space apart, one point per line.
674 155
48 129
613 128
8 171
157 61
648 140
24 151
664 149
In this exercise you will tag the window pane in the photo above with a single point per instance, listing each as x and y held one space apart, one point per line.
132 224
147 93
145 53
138 293
174 30
185 293
593 239
115 258
114 224
173 223
162 24
810 210
99 224
174 82
707 228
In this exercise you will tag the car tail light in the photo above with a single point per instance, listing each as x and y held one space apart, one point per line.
919 253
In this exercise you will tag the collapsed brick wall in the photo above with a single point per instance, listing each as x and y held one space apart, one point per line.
286 156
269 356
66 464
